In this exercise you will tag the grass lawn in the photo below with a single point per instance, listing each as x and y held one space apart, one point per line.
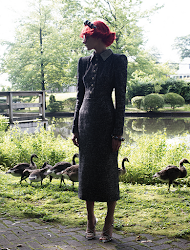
61 96
141 209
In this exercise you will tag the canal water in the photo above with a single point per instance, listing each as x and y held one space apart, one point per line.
174 127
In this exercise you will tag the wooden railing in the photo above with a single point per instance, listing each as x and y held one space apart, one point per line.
12 107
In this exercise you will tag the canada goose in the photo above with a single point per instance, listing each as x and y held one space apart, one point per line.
55 171
122 170
37 175
171 172
18 169
71 173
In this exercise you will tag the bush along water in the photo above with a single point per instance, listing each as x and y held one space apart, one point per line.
152 102
16 146
174 100
149 154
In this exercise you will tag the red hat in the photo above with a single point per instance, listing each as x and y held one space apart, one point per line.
98 29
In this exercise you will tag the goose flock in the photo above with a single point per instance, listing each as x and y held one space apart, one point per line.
61 170
66 170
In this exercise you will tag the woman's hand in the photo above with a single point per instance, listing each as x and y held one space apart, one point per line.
115 145
75 139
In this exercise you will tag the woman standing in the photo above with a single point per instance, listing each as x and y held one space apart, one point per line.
98 123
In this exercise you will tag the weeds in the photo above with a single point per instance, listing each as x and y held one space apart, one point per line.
145 206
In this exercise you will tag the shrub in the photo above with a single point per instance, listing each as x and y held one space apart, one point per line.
3 123
149 154
52 99
174 100
152 102
136 101
55 106
137 89
69 104
185 93
16 146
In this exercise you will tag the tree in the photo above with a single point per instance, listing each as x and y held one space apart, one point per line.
182 44
174 100
41 56
124 18
47 45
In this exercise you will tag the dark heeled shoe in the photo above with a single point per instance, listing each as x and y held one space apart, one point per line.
90 233
105 237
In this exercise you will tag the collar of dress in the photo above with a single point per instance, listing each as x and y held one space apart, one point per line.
104 55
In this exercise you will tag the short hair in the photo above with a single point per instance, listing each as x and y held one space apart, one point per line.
101 30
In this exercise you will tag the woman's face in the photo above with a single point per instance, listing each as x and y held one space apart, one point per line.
90 42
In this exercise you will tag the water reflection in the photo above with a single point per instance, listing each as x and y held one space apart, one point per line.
173 126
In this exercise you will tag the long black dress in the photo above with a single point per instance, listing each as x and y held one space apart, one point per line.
96 119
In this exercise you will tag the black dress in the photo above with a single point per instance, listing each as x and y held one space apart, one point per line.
96 119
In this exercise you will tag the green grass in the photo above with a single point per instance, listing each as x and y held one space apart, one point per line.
61 96
141 208
145 205
186 108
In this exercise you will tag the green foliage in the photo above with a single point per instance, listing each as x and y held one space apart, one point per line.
136 101
152 102
182 44
3 123
165 86
185 93
69 104
152 206
46 48
139 89
16 147
149 154
142 87
146 69
129 35
52 99
56 106
141 207
174 100
47 44
176 85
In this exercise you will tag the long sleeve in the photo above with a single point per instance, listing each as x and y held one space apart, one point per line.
120 91
80 95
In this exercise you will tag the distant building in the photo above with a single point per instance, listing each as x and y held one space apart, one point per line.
70 89
184 71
